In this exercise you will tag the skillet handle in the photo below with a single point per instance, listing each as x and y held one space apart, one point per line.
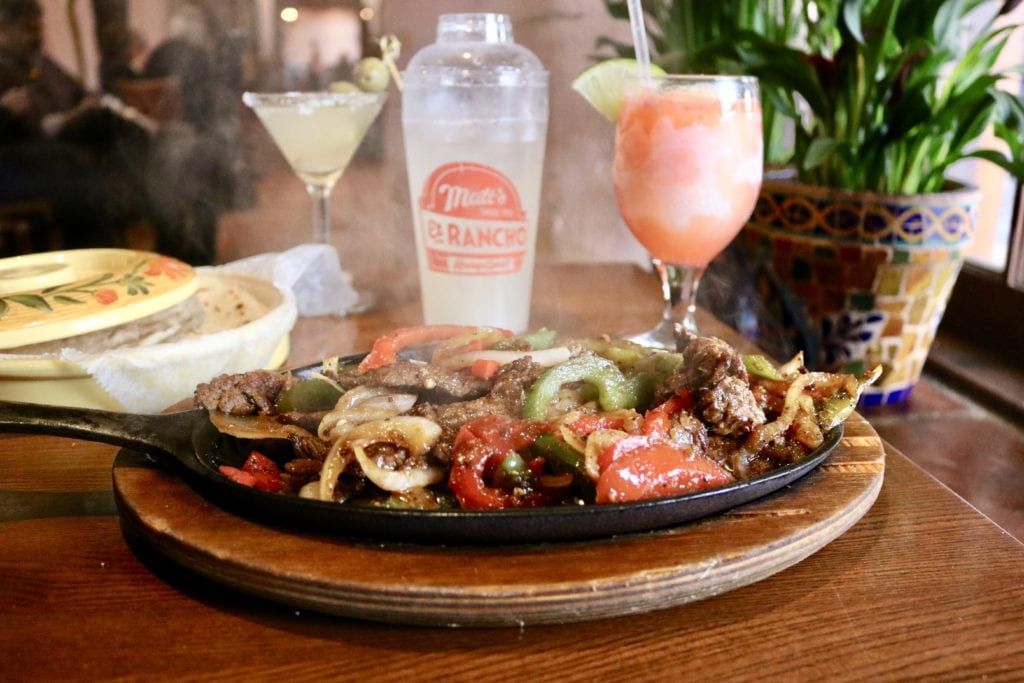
171 433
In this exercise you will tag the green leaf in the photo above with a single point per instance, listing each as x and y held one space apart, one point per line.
619 10
784 67
100 280
851 19
946 24
60 298
1013 166
32 301
818 151
3 308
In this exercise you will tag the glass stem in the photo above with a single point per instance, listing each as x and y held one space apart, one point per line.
321 211
679 287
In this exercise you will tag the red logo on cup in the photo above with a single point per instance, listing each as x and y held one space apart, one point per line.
472 220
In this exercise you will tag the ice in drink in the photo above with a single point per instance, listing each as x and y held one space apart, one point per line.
475 122
687 169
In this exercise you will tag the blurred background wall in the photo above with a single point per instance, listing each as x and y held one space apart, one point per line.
271 45
303 44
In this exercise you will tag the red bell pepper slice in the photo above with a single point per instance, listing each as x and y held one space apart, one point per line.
480 447
257 462
657 420
657 471
591 423
622 447
485 369
265 473
386 347
238 476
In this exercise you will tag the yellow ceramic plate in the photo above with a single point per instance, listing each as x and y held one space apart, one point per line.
58 382
61 294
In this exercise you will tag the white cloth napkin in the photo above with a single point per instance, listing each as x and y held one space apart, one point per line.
312 272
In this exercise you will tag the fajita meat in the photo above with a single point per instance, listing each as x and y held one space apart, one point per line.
250 393
505 398
729 408
429 382
716 375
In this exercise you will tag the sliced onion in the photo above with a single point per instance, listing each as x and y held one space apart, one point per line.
766 433
544 357
255 426
367 405
358 395
415 434
573 441
598 442
792 366
310 490
395 480
338 458
481 337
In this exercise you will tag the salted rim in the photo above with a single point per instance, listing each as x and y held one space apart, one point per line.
313 99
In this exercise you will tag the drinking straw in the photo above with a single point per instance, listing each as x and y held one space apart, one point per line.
636 22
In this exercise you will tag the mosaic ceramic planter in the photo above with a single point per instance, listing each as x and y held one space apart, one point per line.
864 277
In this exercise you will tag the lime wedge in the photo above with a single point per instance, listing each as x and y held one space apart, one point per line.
602 84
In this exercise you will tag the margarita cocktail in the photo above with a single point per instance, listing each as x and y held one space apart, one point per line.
688 165
317 133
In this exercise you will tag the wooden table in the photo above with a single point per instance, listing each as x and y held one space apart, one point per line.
922 586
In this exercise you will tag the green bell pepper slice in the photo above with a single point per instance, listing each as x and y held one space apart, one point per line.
560 455
537 340
838 407
614 390
761 367
308 396
512 472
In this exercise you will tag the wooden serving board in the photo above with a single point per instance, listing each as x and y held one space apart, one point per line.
505 585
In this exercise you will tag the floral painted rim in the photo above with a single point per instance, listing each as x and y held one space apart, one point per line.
105 289
958 194
111 287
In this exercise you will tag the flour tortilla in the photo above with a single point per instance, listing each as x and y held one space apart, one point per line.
216 306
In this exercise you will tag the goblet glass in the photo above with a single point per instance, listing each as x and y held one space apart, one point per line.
688 165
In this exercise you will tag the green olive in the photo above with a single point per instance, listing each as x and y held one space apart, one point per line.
308 396
343 87
371 74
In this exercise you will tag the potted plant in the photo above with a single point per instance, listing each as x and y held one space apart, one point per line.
861 250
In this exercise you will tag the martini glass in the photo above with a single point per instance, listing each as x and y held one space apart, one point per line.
318 132
688 166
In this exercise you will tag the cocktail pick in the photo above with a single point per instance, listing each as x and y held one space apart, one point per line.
390 49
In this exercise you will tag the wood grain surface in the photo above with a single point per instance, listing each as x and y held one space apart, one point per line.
923 586
512 585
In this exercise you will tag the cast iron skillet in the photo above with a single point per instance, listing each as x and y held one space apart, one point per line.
188 443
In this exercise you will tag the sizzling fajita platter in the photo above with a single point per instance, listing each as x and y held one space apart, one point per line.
569 479
448 434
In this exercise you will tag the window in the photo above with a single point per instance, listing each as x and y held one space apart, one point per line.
987 305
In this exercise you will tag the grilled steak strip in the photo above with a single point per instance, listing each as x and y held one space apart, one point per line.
505 398
715 373
430 383
249 393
